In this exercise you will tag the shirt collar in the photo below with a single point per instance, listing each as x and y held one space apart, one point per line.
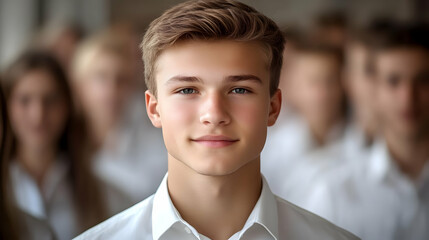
382 166
380 163
165 216
264 213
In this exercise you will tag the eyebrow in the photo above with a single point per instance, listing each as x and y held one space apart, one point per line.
180 78
239 78
234 78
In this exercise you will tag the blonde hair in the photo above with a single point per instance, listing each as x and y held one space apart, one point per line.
105 41
212 20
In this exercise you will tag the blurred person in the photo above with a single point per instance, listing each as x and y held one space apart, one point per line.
359 84
299 148
317 89
128 154
386 196
7 229
52 189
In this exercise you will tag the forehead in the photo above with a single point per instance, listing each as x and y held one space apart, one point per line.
403 60
309 61
213 59
35 81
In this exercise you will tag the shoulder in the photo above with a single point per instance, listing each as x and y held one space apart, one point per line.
297 223
132 222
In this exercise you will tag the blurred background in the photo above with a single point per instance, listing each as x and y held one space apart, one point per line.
21 20
351 142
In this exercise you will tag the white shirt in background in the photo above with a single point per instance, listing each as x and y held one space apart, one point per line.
292 162
272 218
374 199
133 161
48 212
355 143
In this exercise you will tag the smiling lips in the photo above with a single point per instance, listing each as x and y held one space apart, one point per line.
215 141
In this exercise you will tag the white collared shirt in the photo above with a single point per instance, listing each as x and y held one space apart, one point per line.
49 212
271 219
374 199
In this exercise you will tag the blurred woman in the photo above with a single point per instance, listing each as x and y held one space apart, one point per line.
51 185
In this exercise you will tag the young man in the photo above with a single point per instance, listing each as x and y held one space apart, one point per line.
387 196
212 70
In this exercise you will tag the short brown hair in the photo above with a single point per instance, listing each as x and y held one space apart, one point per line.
212 20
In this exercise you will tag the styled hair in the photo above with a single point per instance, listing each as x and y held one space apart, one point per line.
84 185
212 20
320 48
400 35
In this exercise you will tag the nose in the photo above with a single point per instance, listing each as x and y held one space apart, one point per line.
214 110
408 95
37 112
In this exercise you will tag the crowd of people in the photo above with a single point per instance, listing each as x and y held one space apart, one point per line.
351 143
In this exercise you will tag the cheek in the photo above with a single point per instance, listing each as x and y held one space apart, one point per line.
177 111
19 116
252 117
176 116
57 116
387 103
424 99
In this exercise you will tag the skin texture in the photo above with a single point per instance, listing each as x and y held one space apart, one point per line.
213 105
403 103
38 114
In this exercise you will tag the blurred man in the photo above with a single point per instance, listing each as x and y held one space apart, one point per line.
387 195
315 88
359 85
122 139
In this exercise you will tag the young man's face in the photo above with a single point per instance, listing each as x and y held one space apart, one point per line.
213 104
403 91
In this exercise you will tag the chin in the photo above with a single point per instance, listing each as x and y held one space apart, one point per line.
217 168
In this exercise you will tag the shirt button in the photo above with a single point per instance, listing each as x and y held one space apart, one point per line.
187 230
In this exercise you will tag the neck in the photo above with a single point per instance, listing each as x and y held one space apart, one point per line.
368 126
216 206
409 154
36 161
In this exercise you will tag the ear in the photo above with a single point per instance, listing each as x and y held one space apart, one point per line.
275 106
152 109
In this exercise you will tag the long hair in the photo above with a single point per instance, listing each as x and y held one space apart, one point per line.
7 228
86 193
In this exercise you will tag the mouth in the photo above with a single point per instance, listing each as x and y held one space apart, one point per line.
215 141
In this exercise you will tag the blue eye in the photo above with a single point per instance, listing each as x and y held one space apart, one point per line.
187 91
239 90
